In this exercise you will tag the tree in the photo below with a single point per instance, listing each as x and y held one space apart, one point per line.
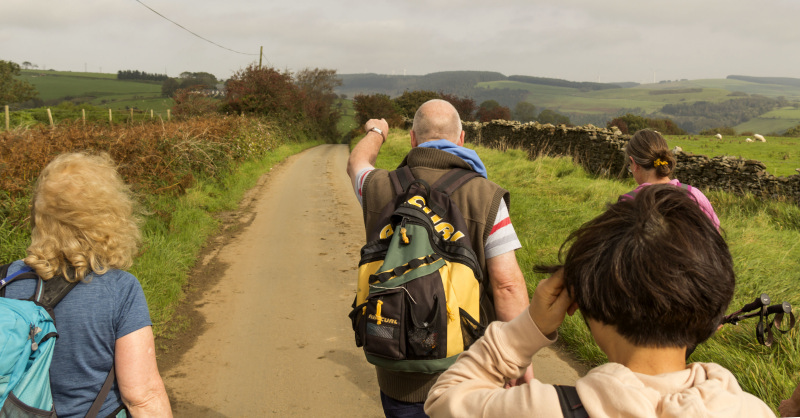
27 65
490 110
631 123
628 124
793 131
189 103
525 112
375 106
317 87
11 90
265 91
169 87
202 79
408 102
549 116
464 105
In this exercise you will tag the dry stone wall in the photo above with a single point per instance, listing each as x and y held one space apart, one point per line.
600 151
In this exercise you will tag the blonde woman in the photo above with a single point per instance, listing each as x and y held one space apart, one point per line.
651 162
85 229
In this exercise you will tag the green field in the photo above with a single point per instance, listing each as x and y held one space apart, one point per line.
776 121
769 90
781 155
605 101
98 89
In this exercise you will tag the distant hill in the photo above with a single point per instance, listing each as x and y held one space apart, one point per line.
758 104
395 85
585 86
781 81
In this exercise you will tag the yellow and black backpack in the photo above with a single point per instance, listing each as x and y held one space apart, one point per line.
419 281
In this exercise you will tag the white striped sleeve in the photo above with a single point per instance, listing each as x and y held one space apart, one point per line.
503 238
359 184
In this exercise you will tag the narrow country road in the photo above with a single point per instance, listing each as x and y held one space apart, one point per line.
268 332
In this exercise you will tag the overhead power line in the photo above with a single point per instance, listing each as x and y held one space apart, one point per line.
187 30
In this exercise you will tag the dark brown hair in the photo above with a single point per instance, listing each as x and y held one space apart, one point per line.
646 147
653 267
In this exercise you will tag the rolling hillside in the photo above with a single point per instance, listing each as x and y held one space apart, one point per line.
98 89
736 101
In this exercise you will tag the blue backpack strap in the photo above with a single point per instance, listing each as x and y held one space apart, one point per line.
571 405
20 274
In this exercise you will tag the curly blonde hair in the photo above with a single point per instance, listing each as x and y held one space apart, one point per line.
83 218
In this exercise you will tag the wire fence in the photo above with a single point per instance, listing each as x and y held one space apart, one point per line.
29 117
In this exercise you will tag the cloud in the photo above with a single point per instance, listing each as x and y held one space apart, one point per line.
575 39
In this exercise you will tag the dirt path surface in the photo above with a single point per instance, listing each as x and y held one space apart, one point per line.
266 309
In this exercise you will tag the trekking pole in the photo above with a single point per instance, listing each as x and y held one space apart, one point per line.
743 313
761 307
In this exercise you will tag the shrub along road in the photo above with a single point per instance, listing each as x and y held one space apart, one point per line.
266 326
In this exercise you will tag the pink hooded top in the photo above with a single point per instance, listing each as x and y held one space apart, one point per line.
698 196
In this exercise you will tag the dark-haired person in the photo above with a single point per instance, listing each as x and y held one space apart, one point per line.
650 276
85 228
650 161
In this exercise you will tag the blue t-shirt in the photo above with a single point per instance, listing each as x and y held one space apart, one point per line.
89 320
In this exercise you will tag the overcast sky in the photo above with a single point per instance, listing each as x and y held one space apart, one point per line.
578 40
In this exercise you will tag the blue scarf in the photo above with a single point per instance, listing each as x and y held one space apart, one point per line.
466 154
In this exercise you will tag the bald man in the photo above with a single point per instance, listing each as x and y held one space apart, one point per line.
437 140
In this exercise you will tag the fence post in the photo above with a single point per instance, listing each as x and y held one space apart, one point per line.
110 118
131 115
151 113
50 117
8 119
168 115
83 116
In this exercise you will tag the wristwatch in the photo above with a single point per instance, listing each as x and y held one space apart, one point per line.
380 132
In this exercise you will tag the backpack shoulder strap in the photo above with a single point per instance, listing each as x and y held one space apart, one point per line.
401 179
101 396
4 270
53 291
453 179
571 405
23 273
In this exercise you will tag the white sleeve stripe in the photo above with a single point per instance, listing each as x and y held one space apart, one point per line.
360 178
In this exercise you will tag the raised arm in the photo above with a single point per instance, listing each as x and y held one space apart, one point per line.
510 295
366 151
138 379
508 286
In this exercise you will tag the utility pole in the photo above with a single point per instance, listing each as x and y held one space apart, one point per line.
260 56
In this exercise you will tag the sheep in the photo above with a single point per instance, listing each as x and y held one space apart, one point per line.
719 136
677 149
748 140
759 137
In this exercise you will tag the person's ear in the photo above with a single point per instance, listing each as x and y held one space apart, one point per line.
413 140
461 137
